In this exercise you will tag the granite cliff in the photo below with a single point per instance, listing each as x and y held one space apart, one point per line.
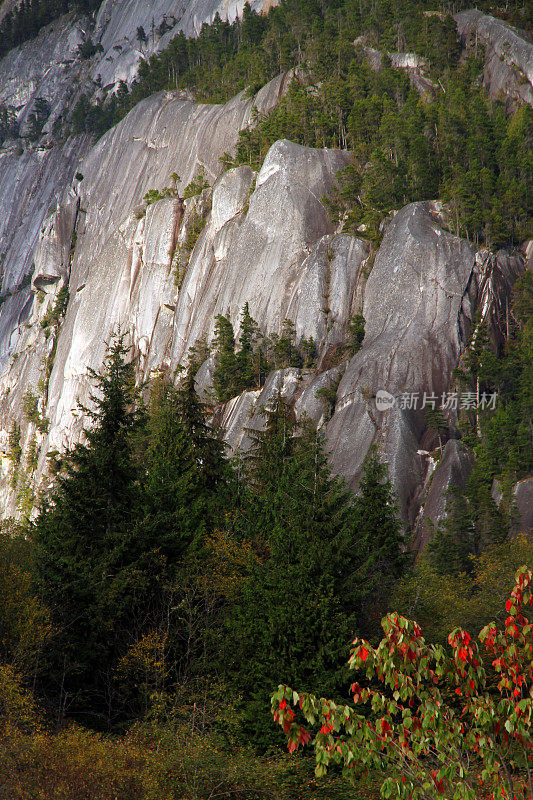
72 219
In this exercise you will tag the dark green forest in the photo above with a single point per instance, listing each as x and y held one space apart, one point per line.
160 591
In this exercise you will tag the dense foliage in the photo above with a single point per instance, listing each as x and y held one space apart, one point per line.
436 724
158 578
303 525
437 136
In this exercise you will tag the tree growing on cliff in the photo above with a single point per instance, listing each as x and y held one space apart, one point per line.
225 361
248 371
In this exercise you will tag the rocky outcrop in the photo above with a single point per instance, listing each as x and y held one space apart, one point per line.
415 330
32 184
450 471
414 65
266 240
266 255
244 415
40 82
117 25
523 507
508 56
46 68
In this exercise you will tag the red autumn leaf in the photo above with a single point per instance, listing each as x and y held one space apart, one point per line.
363 653
283 704
304 736
439 784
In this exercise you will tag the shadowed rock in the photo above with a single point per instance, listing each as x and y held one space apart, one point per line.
452 471
523 506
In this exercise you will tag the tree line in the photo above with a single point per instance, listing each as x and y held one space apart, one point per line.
159 563
159 583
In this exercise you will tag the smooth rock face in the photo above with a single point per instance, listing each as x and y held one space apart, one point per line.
508 56
34 173
121 271
414 333
259 256
312 405
31 187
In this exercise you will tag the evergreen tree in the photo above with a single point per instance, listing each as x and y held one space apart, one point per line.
208 450
85 549
285 351
379 542
225 360
295 612
186 491
247 374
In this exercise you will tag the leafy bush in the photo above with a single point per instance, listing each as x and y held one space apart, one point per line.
436 724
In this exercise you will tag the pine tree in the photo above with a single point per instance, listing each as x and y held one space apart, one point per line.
245 362
170 483
214 475
285 351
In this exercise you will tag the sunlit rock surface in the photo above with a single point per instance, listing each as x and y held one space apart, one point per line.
508 55
72 216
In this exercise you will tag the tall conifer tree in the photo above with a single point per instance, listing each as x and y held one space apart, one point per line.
294 616
85 544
